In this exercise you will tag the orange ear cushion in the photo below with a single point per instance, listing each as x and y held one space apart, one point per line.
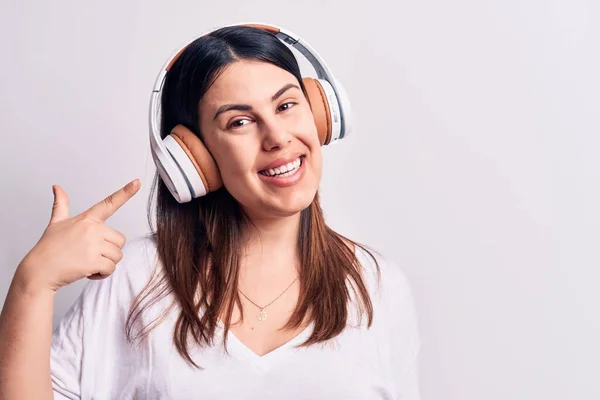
320 108
200 157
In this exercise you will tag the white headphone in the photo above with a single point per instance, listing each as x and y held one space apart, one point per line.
184 163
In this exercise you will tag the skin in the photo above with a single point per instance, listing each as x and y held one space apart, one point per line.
243 143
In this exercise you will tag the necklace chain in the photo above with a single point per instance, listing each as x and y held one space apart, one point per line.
262 315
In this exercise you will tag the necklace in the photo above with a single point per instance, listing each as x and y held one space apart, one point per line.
261 315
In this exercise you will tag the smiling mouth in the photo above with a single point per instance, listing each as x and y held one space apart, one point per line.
284 170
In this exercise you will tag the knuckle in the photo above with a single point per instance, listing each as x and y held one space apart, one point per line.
88 217
121 239
109 201
110 268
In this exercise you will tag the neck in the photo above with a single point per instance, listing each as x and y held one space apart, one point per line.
270 246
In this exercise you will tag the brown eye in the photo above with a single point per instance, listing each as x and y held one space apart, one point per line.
235 124
288 103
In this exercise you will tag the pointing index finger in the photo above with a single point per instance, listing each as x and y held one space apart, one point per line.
107 207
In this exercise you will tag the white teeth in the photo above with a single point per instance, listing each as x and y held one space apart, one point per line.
284 170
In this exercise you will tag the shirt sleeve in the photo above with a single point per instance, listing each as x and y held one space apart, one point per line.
405 336
408 374
66 353
90 356
90 338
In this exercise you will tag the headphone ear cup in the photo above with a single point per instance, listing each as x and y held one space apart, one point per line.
202 161
319 107
349 120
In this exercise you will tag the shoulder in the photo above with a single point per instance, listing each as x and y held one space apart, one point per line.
106 302
131 275
393 301
387 280
92 332
140 259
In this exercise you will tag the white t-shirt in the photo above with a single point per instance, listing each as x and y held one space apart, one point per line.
92 359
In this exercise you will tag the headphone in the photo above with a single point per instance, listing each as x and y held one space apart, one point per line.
185 164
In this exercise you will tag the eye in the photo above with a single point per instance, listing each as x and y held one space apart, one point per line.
235 124
286 104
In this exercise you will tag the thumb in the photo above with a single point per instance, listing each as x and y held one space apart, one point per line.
60 208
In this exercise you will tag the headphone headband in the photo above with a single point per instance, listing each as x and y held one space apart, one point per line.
284 35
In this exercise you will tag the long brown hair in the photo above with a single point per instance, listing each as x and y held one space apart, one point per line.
198 243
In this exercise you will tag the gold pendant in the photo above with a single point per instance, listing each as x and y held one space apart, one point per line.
261 315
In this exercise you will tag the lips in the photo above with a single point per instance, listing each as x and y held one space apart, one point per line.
282 177
280 161
284 170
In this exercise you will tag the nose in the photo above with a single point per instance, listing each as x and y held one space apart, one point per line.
275 134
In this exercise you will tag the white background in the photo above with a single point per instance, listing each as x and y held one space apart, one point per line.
474 164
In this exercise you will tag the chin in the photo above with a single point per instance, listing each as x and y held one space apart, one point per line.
299 203
290 204
282 205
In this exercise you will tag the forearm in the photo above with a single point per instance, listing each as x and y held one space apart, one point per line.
25 340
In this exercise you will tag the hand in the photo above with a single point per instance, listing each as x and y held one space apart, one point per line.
74 248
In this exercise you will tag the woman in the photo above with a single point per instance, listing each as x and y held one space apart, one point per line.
242 293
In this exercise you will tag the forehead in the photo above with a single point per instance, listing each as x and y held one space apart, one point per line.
247 82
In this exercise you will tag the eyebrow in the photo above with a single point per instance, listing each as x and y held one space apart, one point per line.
245 107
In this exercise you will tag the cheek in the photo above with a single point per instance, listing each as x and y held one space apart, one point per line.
234 162
317 162
309 129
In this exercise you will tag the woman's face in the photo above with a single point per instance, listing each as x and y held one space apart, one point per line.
258 126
